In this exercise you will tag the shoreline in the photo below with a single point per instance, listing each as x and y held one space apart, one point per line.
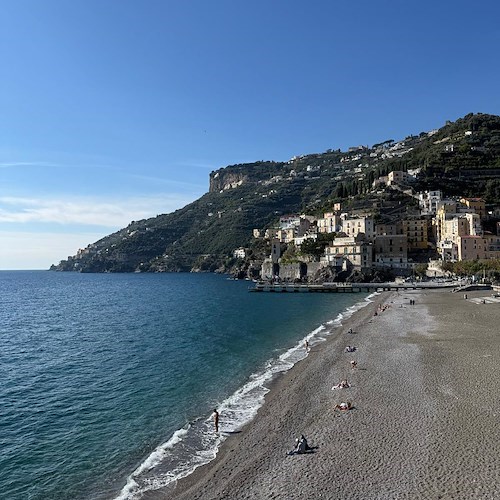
279 383
424 422
197 445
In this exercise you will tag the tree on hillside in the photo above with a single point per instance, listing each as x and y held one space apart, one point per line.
316 247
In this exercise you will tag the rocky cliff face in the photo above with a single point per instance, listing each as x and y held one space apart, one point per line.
222 179
237 175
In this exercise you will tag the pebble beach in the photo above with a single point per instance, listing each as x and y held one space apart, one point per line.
425 414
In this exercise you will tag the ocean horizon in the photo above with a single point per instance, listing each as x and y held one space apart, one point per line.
109 380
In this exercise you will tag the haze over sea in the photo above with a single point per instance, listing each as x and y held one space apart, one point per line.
108 380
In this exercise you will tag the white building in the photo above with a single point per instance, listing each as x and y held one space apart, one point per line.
349 251
329 223
356 225
239 253
429 201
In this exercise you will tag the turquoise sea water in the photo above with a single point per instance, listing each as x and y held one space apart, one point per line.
107 381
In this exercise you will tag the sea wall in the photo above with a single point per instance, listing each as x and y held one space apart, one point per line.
314 267
290 272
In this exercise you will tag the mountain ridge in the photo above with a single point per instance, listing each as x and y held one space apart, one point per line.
460 158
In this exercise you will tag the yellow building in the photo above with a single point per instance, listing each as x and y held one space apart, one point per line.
416 232
454 220
476 204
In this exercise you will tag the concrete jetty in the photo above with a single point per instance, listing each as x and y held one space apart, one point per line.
262 286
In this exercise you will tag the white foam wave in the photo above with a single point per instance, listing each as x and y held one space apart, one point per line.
238 409
151 461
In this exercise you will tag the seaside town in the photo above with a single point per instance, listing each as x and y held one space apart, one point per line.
439 230
249 250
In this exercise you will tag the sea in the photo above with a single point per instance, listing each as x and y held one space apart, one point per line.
108 381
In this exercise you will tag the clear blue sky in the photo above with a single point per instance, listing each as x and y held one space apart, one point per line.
117 110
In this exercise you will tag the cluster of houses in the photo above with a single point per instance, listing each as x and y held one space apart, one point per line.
448 229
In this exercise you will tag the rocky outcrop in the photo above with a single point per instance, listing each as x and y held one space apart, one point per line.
238 175
221 180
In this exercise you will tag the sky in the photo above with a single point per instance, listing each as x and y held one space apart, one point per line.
118 110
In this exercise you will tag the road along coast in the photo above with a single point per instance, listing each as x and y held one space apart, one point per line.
425 415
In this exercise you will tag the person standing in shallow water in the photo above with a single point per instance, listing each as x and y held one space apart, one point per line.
215 416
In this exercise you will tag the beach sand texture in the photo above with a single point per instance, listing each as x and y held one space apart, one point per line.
425 422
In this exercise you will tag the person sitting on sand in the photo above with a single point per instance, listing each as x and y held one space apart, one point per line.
343 384
350 330
349 348
301 446
304 440
343 406
354 364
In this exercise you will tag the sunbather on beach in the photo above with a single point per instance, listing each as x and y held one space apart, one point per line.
343 406
354 364
343 384
349 348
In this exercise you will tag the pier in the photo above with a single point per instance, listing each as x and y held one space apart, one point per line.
347 287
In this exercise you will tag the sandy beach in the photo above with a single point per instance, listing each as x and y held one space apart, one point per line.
425 417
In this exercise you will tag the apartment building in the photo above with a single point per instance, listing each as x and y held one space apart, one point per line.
391 250
352 227
428 202
415 230
329 223
478 247
476 204
350 251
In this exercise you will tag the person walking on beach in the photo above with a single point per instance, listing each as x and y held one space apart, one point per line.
306 345
215 416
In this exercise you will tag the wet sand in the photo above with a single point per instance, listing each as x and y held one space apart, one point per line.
425 422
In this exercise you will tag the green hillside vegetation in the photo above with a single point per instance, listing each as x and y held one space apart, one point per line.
462 159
